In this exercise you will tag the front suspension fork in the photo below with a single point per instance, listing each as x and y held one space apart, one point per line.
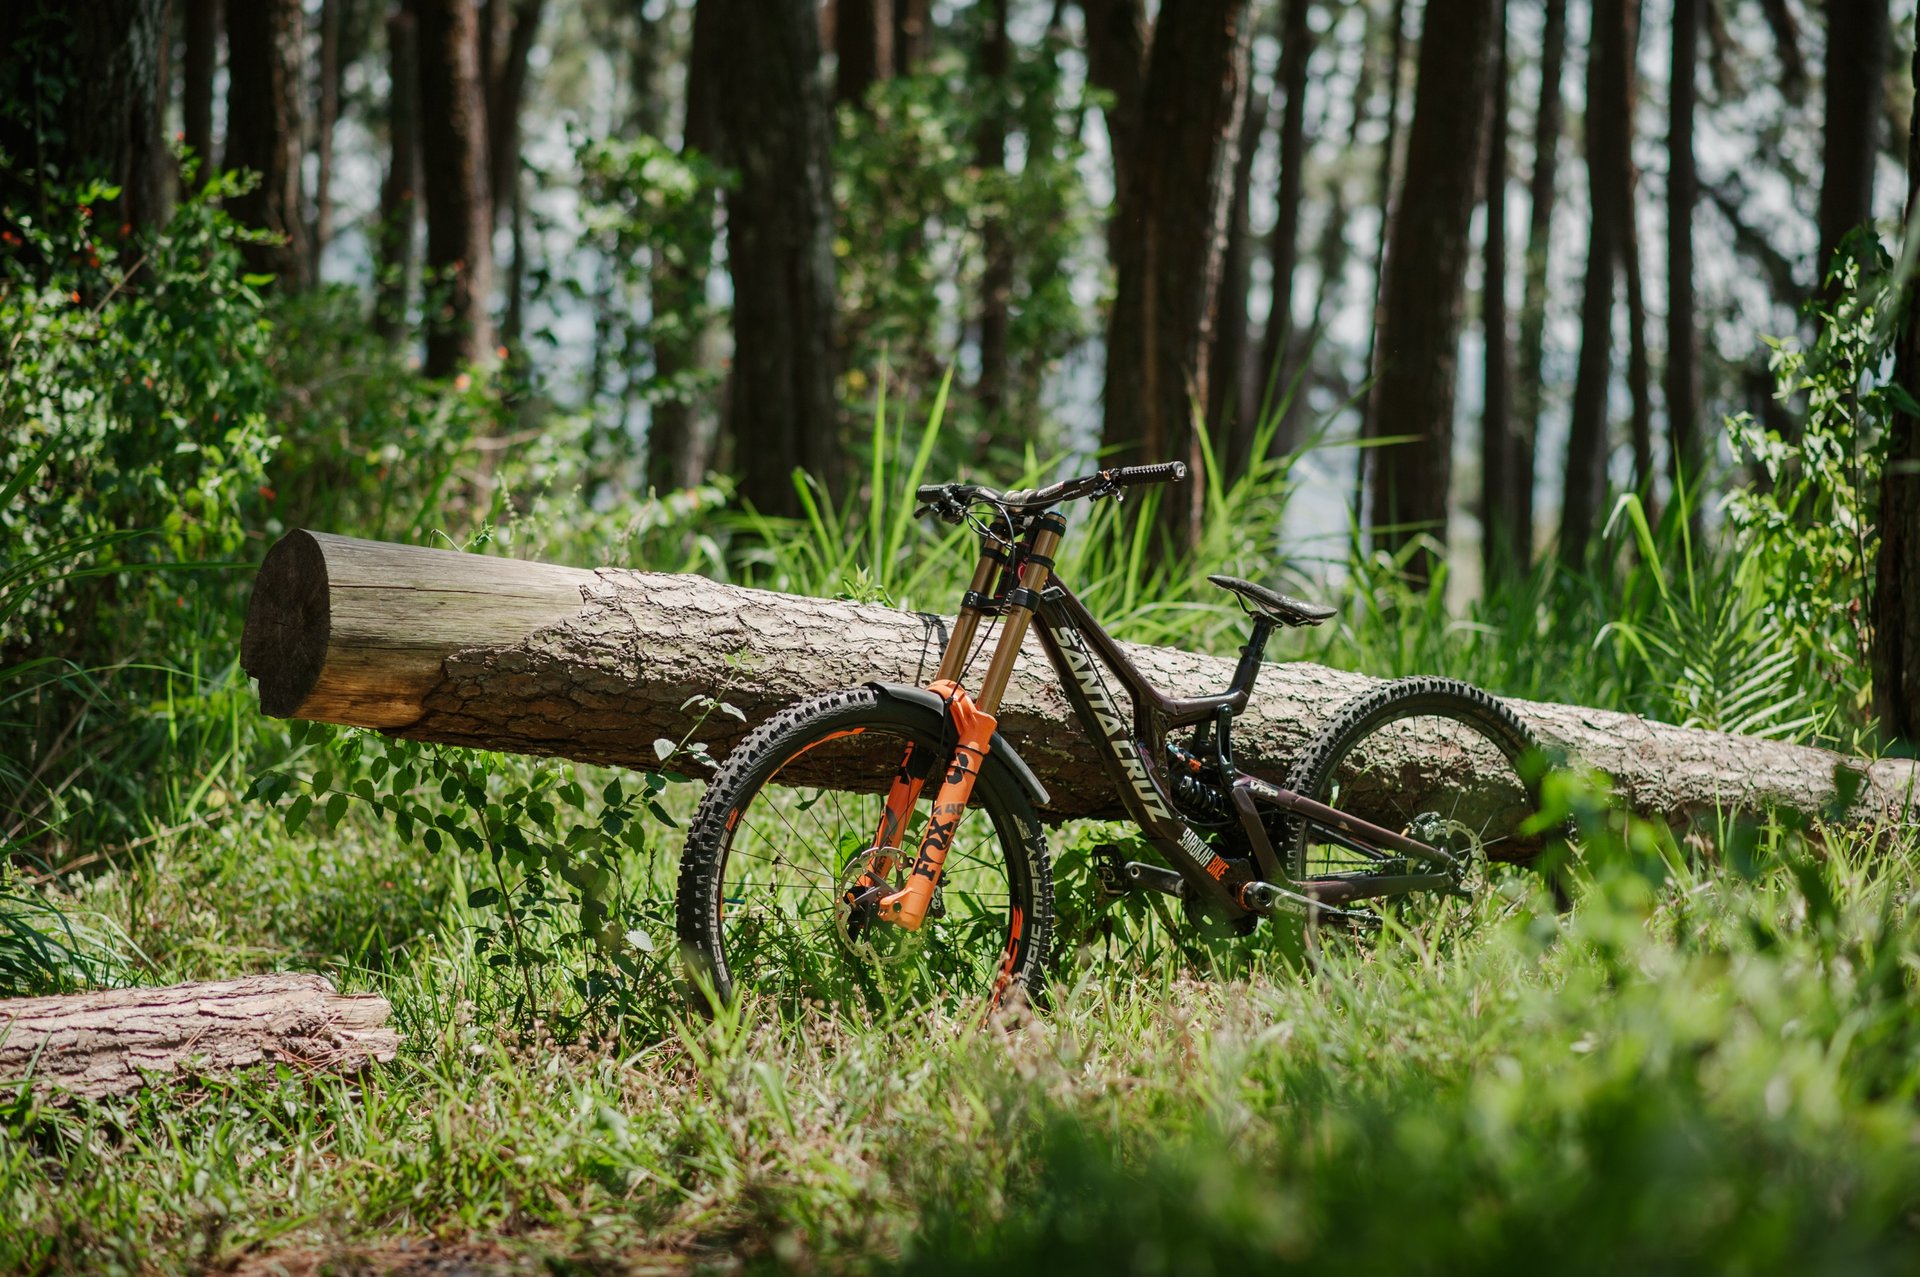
908 906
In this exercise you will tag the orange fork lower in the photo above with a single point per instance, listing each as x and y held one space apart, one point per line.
907 907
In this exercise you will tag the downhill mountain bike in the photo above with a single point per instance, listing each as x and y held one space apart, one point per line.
838 846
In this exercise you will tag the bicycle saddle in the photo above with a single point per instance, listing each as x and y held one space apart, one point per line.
1283 608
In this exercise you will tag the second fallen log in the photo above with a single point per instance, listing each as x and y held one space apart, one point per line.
598 665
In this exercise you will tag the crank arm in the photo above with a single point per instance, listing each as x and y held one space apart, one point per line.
1266 899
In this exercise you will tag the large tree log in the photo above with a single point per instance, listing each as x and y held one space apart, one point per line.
596 665
97 1044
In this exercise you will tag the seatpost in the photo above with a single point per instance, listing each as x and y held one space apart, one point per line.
1256 647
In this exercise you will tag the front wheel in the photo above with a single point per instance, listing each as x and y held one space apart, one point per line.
1436 758
779 844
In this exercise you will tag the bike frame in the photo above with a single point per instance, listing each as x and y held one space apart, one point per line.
1134 751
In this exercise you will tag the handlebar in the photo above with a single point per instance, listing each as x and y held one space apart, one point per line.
951 500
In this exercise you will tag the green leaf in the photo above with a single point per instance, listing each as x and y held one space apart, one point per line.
297 814
336 808
483 898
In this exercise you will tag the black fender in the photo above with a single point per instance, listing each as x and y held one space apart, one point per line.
999 748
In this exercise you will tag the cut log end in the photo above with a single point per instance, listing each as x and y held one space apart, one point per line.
289 624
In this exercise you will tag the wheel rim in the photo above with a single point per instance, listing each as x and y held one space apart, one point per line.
785 929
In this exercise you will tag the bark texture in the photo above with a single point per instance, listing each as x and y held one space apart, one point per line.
1685 451
1896 594
1499 451
1419 335
201 21
1533 304
453 140
1855 90
92 1045
1283 243
596 665
399 190
862 47
772 116
265 98
1169 240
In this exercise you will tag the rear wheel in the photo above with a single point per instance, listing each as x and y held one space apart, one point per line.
1434 758
770 903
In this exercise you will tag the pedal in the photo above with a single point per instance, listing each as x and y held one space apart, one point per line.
1110 872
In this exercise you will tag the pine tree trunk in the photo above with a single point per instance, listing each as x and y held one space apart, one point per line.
1639 378
862 46
1225 415
1585 490
1283 244
201 61
1498 451
773 122
1169 240
265 90
595 666
1896 594
1419 339
504 67
1389 160
400 190
912 34
1685 455
329 116
678 434
996 272
1533 305
453 140
1857 38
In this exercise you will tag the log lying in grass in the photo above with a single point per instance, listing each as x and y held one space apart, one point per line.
597 665
99 1044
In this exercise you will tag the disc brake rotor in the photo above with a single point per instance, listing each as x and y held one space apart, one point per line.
1462 842
856 918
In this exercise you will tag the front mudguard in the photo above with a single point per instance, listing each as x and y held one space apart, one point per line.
1000 748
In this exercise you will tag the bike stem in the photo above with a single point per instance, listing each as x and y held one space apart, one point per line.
974 718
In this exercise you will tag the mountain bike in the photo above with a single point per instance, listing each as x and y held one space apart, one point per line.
885 837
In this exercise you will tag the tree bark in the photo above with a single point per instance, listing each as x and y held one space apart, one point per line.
1419 342
596 665
453 143
93 1045
1786 47
1499 455
862 47
1389 159
678 433
1639 377
1227 417
1608 138
1169 241
1685 455
329 116
1896 593
1541 190
1857 38
399 191
996 273
912 34
772 112
265 97
1283 244
509 32
201 61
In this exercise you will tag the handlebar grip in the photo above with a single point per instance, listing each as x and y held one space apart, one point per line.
1165 472
928 493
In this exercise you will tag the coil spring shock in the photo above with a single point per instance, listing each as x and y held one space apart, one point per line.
1191 791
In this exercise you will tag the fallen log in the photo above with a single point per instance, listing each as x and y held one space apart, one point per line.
92 1045
596 666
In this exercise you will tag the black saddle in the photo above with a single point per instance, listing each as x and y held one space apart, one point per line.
1283 608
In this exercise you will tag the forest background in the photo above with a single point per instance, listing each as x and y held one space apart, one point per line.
1564 343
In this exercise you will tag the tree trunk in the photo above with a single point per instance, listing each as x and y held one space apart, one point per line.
1533 304
677 432
1855 86
399 192
94 1045
912 34
1227 417
1117 65
1389 156
996 273
1786 46
201 61
1685 455
453 143
508 34
1419 342
501 654
1169 240
1608 137
1283 244
862 47
81 84
772 112
323 132
1896 593
1639 379
265 89
1499 454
